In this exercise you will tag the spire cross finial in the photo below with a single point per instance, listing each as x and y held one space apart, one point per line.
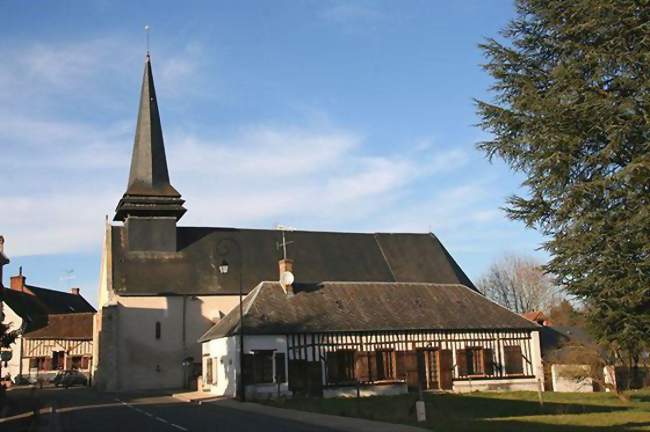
146 30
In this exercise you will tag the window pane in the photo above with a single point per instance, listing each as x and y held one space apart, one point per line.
513 359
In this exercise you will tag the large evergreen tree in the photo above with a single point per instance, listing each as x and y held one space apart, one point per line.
571 112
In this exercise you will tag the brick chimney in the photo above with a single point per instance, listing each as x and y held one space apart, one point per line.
74 291
18 282
285 266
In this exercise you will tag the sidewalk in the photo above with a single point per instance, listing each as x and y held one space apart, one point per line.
196 396
347 424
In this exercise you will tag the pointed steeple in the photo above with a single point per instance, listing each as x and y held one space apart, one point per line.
149 192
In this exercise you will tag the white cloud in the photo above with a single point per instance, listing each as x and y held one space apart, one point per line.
66 171
321 179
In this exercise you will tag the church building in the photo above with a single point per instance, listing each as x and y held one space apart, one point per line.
326 313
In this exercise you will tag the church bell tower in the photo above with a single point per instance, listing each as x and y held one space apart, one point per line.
150 206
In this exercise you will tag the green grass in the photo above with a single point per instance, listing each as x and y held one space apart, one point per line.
508 411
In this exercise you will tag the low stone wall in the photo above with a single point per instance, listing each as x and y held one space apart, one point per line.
266 391
518 384
366 390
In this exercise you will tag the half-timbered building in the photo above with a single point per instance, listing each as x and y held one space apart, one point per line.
55 330
340 338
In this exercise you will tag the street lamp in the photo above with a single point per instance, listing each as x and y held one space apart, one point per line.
224 267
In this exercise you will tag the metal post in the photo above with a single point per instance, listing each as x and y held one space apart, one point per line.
242 387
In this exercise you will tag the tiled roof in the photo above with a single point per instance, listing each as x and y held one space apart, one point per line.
65 326
371 306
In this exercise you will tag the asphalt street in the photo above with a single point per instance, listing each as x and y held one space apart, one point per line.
82 410
166 414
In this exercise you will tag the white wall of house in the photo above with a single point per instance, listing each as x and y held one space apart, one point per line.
224 353
13 366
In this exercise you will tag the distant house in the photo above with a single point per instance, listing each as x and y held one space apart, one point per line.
55 330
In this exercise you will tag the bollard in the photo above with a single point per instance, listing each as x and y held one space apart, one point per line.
420 411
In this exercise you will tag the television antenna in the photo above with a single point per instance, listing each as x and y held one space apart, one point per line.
68 276
284 242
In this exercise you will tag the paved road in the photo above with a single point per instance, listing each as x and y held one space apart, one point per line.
168 415
83 410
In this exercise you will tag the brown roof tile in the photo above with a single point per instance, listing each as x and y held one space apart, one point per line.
369 306
65 326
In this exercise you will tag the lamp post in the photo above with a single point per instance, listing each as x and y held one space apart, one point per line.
224 267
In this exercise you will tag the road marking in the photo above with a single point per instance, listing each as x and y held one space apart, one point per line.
148 414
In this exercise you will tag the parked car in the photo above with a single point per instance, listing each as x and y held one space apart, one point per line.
69 378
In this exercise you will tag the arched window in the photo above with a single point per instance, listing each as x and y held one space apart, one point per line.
157 329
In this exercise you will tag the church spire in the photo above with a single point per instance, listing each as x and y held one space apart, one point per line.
149 192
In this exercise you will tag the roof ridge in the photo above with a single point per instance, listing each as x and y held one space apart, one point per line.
340 282
369 233
50 289
71 314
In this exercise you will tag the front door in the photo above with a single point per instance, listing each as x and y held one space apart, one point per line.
428 369
58 360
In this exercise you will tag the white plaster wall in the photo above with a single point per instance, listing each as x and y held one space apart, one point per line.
566 378
225 355
128 354
146 362
538 366
501 384
16 322
366 390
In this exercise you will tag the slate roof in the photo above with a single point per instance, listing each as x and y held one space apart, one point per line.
34 309
366 306
318 256
65 326
149 190
58 302
33 312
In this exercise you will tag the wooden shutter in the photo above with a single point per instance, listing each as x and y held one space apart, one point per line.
280 370
461 361
513 359
248 373
372 366
488 363
446 362
361 366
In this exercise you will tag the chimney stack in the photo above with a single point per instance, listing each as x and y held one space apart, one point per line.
286 275
74 291
18 282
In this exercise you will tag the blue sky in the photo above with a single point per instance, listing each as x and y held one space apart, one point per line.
321 115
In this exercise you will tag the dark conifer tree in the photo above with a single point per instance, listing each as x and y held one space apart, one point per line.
571 113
